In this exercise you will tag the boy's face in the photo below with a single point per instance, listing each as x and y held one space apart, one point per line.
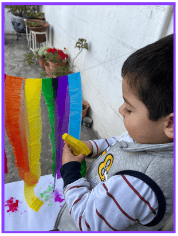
136 120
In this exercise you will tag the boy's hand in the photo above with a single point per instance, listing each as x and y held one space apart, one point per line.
67 155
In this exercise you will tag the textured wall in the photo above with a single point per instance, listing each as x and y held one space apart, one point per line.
8 24
111 32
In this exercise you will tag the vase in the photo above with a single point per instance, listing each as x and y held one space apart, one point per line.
47 69
64 62
41 62
40 38
84 111
41 28
54 66
87 122
18 24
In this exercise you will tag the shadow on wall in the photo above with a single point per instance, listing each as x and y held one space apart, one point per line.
51 36
89 47
90 114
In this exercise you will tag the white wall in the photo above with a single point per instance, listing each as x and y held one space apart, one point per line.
170 26
112 32
8 24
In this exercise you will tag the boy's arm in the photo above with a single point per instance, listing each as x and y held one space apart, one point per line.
99 145
111 205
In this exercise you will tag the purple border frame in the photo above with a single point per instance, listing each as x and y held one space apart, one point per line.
2 91
174 208
2 117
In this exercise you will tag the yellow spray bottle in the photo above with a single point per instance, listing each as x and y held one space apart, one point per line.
78 148
76 145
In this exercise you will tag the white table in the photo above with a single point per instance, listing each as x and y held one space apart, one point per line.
26 219
32 40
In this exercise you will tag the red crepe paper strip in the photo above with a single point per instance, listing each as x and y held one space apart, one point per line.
6 170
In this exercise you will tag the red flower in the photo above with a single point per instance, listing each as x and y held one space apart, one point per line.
52 51
61 54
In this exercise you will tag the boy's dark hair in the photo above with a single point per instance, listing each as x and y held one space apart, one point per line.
149 73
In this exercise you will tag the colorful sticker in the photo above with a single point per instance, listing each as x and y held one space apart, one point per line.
105 166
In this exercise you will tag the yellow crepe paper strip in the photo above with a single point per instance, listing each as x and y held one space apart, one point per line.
33 127
28 177
32 201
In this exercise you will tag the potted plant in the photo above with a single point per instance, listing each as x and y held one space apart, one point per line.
25 11
56 63
21 12
35 15
46 57
39 53
56 58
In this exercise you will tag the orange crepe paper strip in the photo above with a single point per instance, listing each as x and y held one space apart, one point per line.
14 124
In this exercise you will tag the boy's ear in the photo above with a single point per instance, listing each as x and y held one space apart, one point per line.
169 128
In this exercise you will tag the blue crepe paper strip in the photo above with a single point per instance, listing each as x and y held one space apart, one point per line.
75 93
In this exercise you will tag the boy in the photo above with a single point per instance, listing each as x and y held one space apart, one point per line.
130 186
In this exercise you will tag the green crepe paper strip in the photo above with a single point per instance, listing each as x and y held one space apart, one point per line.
47 89
83 168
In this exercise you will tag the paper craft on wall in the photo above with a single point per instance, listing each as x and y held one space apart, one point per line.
23 123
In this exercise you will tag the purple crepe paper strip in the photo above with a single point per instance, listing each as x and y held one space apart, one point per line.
62 111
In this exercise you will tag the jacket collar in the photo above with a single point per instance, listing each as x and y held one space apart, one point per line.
130 147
